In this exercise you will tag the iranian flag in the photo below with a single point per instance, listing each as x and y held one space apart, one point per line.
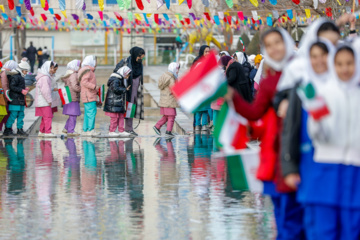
230 130
130 110
7 95
242 169
201 85
315 105
101 94
65 95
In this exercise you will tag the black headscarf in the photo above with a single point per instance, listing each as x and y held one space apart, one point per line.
201 52
136 67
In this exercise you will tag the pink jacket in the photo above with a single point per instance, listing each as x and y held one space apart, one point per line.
43 91
88 85
74 86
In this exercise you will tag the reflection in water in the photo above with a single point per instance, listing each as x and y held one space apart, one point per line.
127 189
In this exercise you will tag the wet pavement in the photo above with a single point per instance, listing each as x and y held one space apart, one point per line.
142 188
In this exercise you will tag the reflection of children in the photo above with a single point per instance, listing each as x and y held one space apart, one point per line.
115 102
16 166
17 95
3 111
168 103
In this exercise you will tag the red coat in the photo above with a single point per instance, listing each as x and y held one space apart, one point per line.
262 108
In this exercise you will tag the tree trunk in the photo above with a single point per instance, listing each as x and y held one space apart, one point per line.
17 44
23 39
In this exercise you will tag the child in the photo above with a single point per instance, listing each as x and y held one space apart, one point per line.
115 103
277 46
3 111
8 67
72 109
17 95
43 99
89 94
168 103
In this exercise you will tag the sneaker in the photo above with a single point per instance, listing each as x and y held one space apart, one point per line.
92 133
21 132
211 125
74 134
114 134
157 130
8 132
64 130
169 134
124 134
132 133
49 135
41 134
198 128
204 129
157 141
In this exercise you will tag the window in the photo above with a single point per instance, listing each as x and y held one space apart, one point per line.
34 2
107 2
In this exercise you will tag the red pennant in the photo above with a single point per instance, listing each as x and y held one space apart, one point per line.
187 20
43 16
252 20
297 2
182 22
225 19
32 12
329 11
144 30
207 16
46 5
237 22
189 2
58 17
140 4
11 4
156 18
118 16
101 15
138 22
77 22
229 19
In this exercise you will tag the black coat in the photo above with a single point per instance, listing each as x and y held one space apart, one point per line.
16 85
237 79
31 53
115 101
290 140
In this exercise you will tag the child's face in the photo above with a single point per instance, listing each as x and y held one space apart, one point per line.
25 72
275 46
332 36
344 65
53 70
318 58
127 76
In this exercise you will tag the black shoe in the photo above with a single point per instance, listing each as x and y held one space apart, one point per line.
169 139
157 131
169 134
8 132
133 133
157 141
21 132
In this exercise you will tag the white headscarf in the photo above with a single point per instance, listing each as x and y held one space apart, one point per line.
124 71
89 61
10 65
225 52
251 59
289 51
74 65
173 68
45 69
241 58
355 79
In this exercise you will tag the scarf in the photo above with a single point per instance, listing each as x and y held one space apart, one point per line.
136 67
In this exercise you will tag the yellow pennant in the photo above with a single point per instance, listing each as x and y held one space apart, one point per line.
148 15
101 5
86 21
64 13
2 8
181 2
255 3
339 2
307 13
137 16
42 3
1 21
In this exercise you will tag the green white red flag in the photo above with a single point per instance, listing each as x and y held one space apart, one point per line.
130 110
101 94
65 95
230 130
201 85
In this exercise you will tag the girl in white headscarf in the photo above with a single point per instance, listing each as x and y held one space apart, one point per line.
8 67
115 103
46 70
44 97
168 103
89 94
72 109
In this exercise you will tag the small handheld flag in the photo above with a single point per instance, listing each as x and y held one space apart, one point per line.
65 95
130 110
101 94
